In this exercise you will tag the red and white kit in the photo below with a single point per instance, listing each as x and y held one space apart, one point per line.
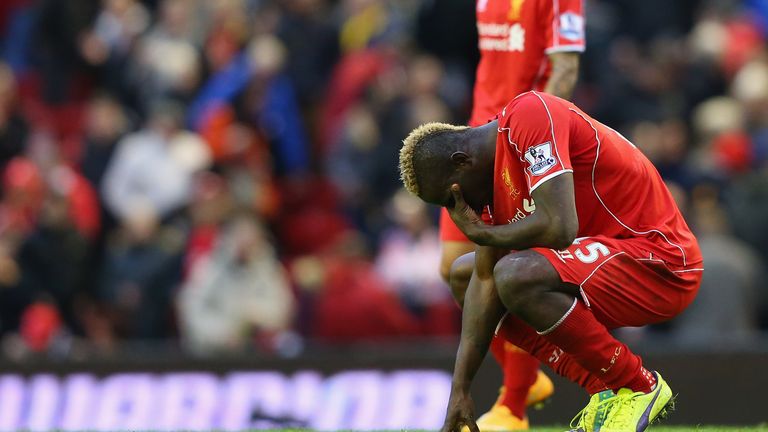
515 38
636 261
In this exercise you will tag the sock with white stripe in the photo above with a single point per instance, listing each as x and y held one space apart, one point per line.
588 341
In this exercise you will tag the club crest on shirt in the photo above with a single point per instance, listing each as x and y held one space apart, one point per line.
540 158
513 191
514 9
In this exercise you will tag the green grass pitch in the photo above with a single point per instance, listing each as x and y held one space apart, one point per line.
677 429
701 428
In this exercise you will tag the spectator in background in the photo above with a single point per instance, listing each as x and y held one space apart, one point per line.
722 149
49 215
408 254
110 44
167 59
349 300
368 45
254 85
57 29
141 268
212 206
147 182
105 124
45 155
312 45
352 160
237 294
151 171
13 127
23 194
750 88
716 317
52 259
22 198
242 155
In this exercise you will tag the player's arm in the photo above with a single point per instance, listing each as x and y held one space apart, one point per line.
565 73
553 225
565 40
480 316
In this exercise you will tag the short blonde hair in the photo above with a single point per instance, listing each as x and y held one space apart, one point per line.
410 145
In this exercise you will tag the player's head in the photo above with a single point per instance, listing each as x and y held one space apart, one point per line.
434 156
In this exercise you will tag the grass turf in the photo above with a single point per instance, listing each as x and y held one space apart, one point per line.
702 428
678 429
763 428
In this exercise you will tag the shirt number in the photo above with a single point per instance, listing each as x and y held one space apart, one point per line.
593 252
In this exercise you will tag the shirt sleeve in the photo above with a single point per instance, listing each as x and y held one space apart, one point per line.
538 130
487 216
565 31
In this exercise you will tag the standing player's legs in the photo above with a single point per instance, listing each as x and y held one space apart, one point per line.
524 384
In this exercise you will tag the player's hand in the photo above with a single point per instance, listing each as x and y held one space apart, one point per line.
465 218
461 412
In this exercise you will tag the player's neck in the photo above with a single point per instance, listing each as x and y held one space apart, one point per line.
487 146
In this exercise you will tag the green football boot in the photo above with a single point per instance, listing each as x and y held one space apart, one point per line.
633 411
591 418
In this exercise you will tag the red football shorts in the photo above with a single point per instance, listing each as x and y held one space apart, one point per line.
623 282
448 230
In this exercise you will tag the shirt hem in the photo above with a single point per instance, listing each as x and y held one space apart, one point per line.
565 48
550 177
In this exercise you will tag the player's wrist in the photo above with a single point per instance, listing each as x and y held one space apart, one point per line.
460 386
479 233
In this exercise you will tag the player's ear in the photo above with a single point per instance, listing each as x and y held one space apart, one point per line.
460 158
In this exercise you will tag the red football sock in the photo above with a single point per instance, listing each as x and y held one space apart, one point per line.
520 370
521 334
645 381
579 334
497 349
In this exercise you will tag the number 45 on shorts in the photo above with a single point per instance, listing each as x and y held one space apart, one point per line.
588 251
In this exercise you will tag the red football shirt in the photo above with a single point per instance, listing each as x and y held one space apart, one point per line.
515 37
618 192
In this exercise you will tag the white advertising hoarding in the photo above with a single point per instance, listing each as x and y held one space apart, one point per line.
354 399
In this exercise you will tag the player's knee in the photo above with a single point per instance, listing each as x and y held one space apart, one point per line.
459 276
445 269
451 252
520 276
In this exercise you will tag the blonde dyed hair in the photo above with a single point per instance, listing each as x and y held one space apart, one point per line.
411 144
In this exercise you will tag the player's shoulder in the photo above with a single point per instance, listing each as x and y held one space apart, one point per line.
550 8
522 99
529 103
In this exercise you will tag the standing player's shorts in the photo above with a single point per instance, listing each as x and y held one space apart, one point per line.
448 230
624 282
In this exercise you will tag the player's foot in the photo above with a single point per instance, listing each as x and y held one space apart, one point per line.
499 419
591 418
634 411
541 390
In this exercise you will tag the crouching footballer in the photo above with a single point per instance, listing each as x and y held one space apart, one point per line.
576 234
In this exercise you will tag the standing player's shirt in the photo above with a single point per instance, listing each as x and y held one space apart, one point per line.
515 37
618 192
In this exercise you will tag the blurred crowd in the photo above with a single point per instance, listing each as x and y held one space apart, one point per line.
223 172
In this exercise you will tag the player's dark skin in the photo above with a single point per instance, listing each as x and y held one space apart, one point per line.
523 282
